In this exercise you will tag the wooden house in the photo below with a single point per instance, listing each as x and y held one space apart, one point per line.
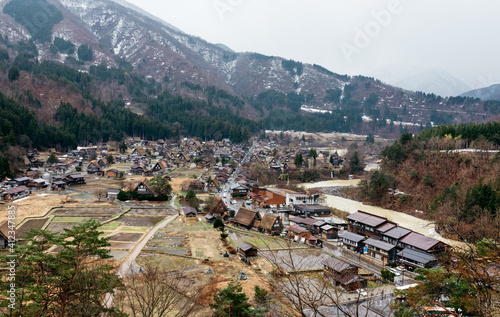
159 167
212 186
74 179
18 192
136 169
364 223
352 241
381 250
112 173
298 233
247 249
271 224
218 208
142 188
247 218
189 212
343 274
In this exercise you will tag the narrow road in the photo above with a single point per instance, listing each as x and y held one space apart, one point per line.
128 264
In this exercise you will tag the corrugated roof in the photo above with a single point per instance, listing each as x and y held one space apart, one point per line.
386 227
379 244
419 241
416 255
245 246
336 264
352 236
297 229
397 232
366 218
16 190
304 220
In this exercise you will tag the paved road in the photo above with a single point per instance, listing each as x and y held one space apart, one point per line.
129 266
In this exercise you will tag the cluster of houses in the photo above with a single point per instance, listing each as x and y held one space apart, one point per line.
20 187
384 240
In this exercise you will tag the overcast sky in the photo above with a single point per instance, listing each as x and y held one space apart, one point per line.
386 38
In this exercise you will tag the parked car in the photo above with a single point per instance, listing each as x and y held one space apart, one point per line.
396 272
361 292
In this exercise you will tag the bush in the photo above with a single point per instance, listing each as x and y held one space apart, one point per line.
260 295
218 223
387 275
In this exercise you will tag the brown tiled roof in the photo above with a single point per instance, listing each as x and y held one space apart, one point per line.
245 216
386 227
337 264
268 221
419 241
349 278
366 218
297 229
245 246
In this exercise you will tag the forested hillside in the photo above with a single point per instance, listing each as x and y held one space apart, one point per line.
450 174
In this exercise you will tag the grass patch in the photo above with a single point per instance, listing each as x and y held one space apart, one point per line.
166 262
111 226
181 227
70 219
135 229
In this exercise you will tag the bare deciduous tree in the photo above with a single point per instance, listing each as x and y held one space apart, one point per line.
296 280
156 293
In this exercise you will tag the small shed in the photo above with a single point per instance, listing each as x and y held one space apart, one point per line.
209 218
247 249
113 193
189 212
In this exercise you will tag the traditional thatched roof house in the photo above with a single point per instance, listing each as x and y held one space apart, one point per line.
271 224
247 218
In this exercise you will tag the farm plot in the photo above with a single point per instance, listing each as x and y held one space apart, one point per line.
139 221
296 260
169 242
30 224
260 241
58 227
126 237
163 212
86 211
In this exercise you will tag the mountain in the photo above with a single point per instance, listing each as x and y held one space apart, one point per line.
133 57
435 81
487 93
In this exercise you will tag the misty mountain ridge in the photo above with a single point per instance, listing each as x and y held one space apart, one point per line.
252 85
487 93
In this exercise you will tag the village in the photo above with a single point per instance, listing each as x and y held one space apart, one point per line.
269 229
